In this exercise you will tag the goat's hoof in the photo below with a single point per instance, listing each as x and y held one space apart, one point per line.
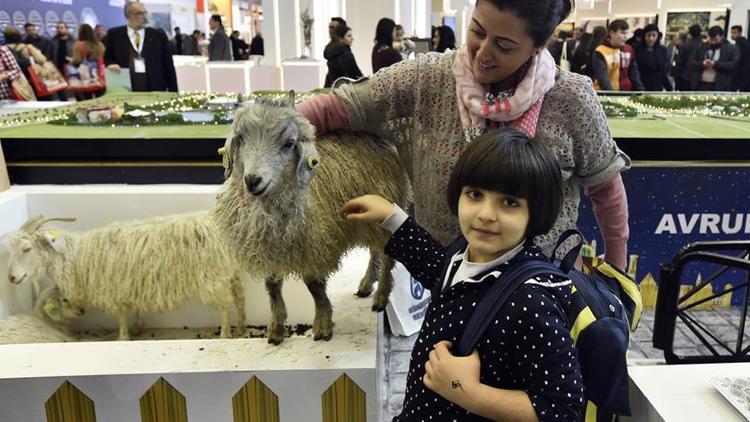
379 307
326 337
275 341
365 293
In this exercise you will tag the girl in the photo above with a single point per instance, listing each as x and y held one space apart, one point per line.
341 62
505 190
383 53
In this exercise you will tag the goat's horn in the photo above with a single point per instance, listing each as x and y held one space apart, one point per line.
32 223
35 223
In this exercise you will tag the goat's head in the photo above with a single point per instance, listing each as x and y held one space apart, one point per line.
30 248
52 304
270 148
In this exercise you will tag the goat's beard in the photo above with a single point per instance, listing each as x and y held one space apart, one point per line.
278 214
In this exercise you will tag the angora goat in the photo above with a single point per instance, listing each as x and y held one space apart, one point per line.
48 323
144 266
279 207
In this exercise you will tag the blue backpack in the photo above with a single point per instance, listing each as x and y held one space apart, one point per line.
600 326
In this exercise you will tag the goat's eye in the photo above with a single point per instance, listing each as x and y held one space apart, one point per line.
289 144
65 300
26 249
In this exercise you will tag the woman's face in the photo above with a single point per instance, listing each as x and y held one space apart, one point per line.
651 38
348 38
436 40
497 43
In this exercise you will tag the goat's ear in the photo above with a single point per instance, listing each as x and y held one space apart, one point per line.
308 161
291 98
229 150
54 239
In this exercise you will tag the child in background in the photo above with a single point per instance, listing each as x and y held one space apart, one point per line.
504 190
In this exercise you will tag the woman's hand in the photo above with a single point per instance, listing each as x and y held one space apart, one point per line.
450 376
368 209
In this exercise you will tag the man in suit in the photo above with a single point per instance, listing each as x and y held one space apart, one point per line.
144 51
220 48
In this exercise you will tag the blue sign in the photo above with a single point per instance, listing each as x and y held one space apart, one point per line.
417 291
671 207
45 14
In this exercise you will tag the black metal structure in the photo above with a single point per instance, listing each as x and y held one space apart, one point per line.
670 305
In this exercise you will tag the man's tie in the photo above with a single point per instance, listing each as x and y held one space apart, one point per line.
137 40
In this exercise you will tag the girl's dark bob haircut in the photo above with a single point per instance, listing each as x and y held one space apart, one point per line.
506 161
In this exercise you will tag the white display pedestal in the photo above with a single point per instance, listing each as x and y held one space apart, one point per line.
191 77
208 373
265 78
304 75
682 392
230 77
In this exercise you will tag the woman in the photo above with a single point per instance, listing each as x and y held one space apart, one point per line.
32 60
383 53
341 62
9 72
88 51
582 55
653 60
443 39
503 76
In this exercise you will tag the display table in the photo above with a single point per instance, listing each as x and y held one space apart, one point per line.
304 75
230 76
682 393
8 108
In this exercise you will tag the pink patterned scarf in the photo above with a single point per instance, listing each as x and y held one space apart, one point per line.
520 109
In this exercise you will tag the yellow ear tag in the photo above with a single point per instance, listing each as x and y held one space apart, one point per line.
53 234
224 159
50 309
312 161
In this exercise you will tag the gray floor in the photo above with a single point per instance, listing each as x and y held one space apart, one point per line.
723 323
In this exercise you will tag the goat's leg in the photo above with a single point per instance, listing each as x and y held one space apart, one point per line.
138 325
225 311
238 294
371 275
275 330
380 300
323 322
122 319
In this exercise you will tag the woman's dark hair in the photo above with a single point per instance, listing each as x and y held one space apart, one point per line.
507 161
599 34
447 38
86 33
585 41
12 35
541 16
340 31
651 28
384 32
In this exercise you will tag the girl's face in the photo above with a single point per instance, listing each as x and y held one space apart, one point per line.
348 38
498 44
492 222
651 38
436 39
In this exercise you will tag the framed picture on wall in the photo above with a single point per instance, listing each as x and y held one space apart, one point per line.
638 22
680 21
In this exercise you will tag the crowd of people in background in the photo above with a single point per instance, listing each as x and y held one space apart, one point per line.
690 61
614 60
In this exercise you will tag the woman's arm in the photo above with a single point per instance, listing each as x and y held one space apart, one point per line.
598 163
610 204
367 104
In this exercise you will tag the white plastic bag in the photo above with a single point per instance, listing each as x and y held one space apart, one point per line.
407 303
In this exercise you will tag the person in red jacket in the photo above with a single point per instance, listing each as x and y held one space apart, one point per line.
613 63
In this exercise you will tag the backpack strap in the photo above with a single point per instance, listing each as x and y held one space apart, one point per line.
569 260
495 298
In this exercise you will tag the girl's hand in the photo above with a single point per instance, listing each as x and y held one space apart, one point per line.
367 209
450 376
